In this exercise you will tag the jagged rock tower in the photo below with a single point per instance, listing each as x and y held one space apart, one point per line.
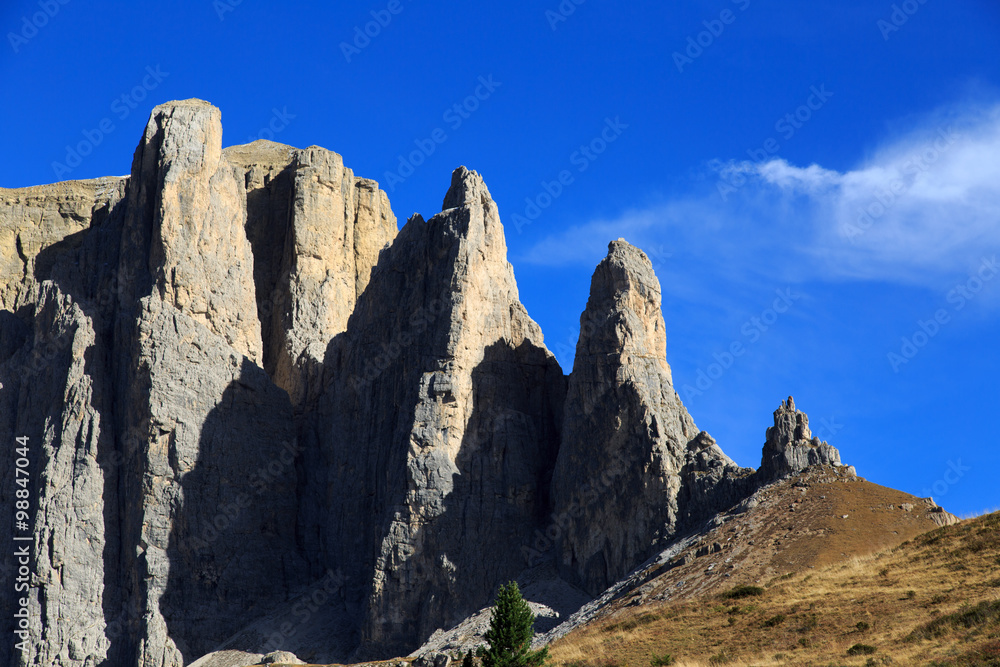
790 445
238 379
438 425
629 446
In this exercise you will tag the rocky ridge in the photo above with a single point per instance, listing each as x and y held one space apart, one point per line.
245 391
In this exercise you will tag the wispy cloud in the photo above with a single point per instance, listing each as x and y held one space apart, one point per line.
923 206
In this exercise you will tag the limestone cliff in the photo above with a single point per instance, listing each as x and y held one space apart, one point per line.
316 232
39 218
459 402
238 380
629 446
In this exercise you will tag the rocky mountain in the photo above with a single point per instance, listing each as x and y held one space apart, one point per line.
261 418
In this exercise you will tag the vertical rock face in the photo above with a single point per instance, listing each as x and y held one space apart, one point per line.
214 490
55 389
190 389
317 231
791 447
185 227
628 442
129 353
338 226
439 425
266 170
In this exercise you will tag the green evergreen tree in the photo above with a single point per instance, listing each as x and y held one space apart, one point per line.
511 631
468 660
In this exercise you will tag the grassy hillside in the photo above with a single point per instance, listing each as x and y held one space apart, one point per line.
933 600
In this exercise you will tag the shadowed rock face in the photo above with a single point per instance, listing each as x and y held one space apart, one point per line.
247 397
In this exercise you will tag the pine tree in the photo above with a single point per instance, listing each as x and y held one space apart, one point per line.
511 631
468 660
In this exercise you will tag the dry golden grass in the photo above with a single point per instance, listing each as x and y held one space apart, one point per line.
822 517
890 601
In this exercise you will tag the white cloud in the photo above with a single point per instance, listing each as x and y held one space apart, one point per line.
923 206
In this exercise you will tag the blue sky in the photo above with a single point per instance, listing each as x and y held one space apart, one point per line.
835 161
